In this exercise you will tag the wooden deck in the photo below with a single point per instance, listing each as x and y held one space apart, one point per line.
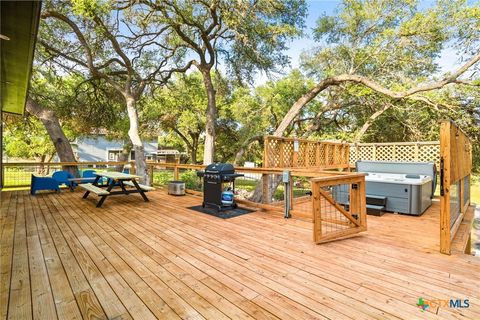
63 258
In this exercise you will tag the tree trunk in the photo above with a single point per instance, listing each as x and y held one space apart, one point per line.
123 156
133 133
55 132
211 114
193 155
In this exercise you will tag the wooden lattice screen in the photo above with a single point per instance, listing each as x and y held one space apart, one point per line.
280 152
425 151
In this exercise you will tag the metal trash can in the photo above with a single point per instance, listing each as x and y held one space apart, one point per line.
176 188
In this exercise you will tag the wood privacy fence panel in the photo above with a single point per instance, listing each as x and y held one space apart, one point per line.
280 152
425 151
455 170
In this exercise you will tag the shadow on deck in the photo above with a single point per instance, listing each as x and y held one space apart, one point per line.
63 258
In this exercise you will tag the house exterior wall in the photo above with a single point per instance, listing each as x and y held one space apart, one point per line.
95 148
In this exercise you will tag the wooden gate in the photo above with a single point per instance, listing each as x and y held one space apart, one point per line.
339 207
455 170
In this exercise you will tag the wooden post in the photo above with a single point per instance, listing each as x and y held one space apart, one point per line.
362 203
265 188
290 191
150 173
354 206
266 142
176 174
445 154
317 214
374 152
417 151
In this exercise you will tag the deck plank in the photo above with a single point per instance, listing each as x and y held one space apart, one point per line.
132 259
20 302
42 297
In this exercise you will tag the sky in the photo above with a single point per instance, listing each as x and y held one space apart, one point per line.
447 61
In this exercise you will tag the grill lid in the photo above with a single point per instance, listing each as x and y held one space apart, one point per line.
222 168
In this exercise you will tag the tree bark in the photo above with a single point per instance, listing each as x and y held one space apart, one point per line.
55 132
133 133
211 115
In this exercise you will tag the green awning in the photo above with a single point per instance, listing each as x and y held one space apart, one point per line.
19 22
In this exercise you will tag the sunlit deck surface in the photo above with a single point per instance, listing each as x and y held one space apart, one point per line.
63 258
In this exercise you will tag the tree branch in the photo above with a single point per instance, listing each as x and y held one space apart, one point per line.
337 80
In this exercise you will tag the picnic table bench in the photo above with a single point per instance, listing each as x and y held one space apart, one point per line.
94 189
115 179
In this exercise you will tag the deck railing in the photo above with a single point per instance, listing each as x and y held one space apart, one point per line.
455 170
281 152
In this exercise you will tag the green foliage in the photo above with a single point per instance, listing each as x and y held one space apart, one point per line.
27 139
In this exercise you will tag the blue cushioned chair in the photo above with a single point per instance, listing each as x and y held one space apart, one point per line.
43 183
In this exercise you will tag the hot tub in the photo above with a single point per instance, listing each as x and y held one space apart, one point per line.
404 193
401 187
407 186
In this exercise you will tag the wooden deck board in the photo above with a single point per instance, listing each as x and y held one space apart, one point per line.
62 257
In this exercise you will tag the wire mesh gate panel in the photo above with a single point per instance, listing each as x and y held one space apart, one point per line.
455 170
339 207
280 152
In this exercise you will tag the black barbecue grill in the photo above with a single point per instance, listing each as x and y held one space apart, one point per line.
215 177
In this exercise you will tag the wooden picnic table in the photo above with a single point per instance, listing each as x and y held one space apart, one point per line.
115 179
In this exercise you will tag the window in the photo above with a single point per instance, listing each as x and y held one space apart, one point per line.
113 155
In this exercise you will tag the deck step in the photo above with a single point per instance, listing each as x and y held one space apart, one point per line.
375 210
142 186
94 189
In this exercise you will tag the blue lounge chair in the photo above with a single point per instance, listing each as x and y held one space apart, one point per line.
43 183
62 178
89 174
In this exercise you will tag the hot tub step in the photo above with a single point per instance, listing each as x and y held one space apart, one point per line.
375 210
376 200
